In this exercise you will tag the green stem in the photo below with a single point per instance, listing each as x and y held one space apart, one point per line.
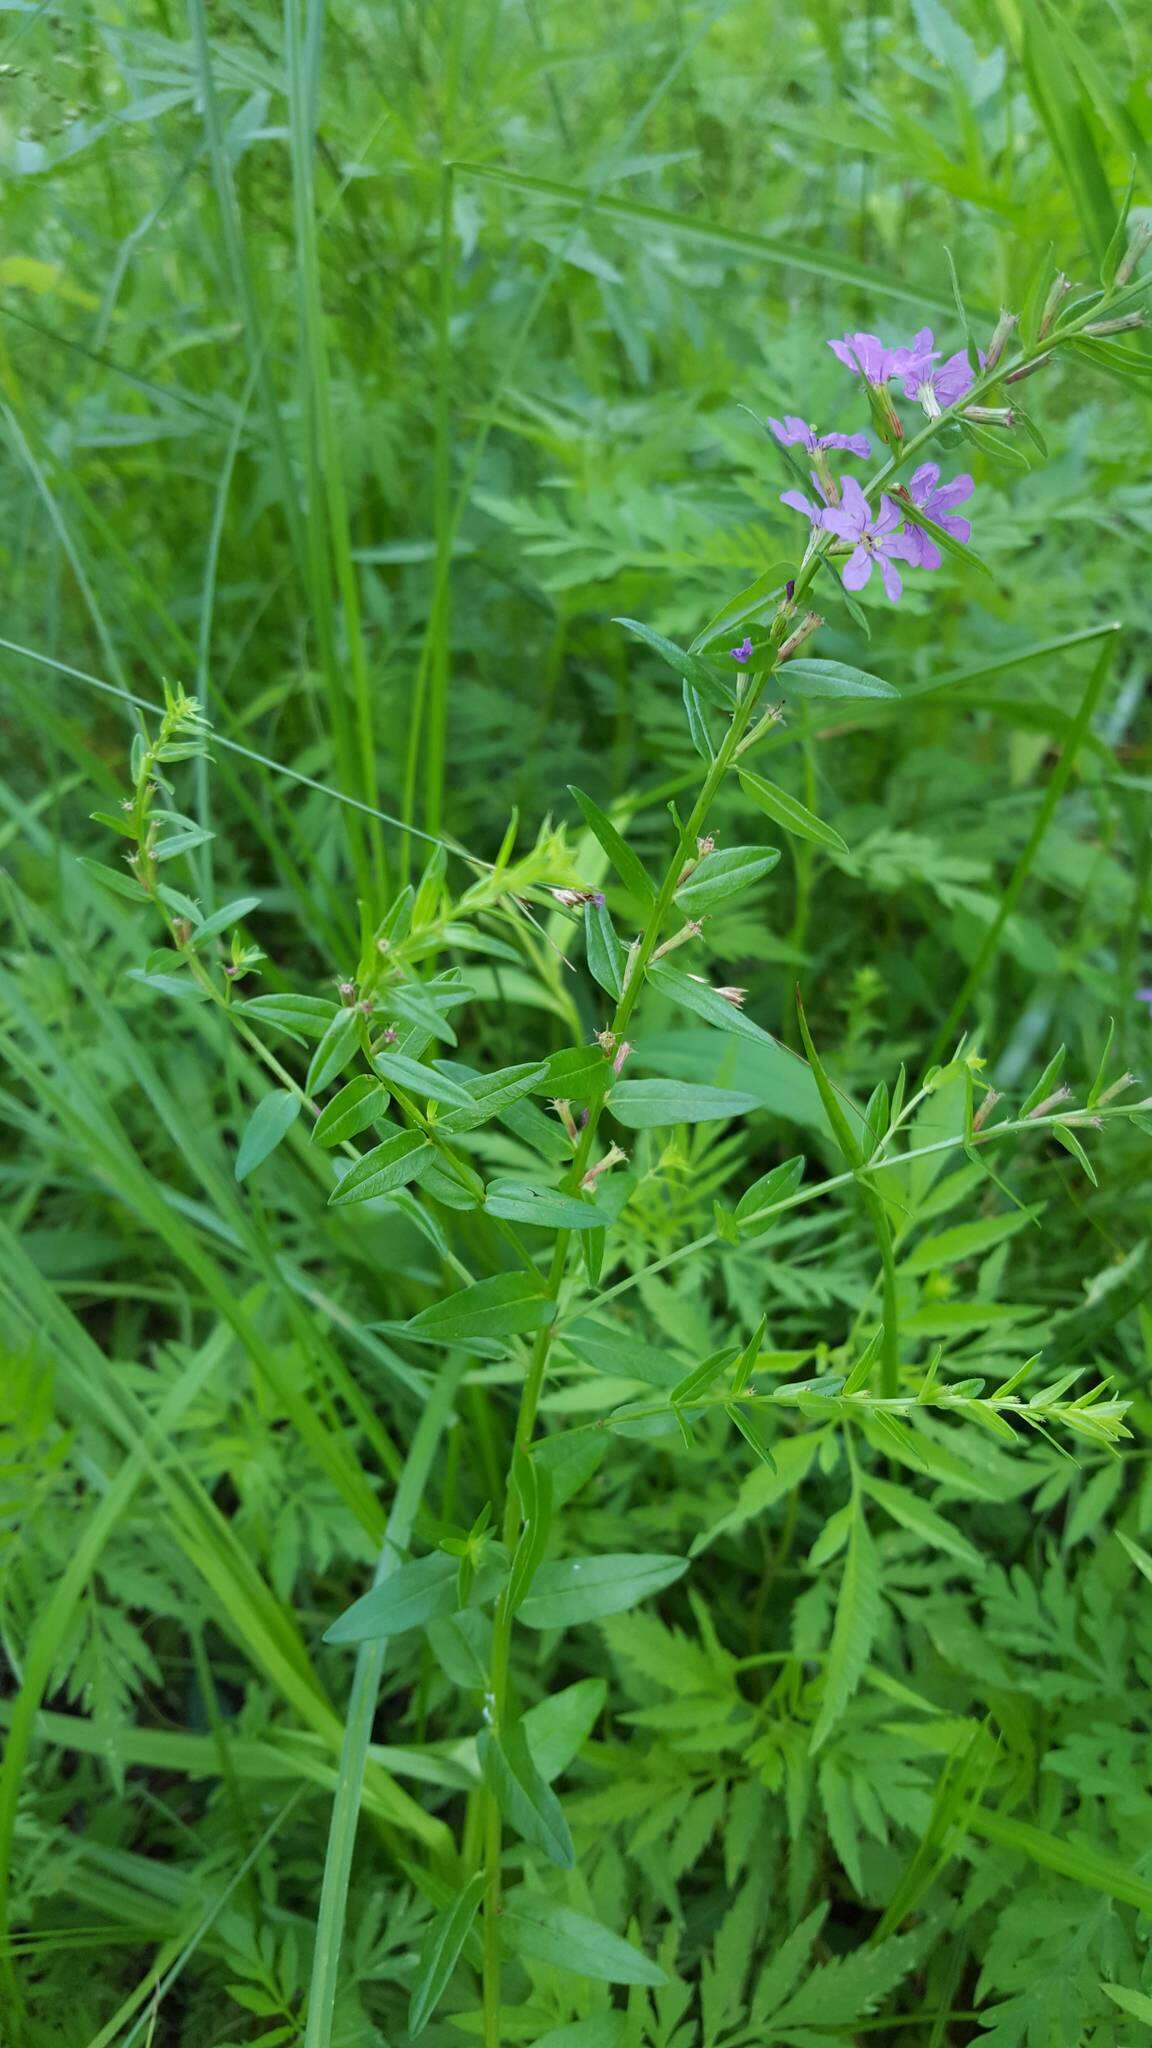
890 1350
538 1363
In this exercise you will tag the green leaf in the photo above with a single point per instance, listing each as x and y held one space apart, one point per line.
335 1049
220 920
417 1079
526 1802
619 1352
550 1933
557 1728
723 874
115 882
910 1511
831 679
519 1201
697 724
690 668
270 1121
491 1095
299 1016
533 1485
391 1165
790 812
854 1630
630 869
706 1002
967 1240
359 1104
603 950
1071 1143
424 1590
505 1306
441 1951
649 1105
764 591
580 1589
772 1187
833 1108
1137 2003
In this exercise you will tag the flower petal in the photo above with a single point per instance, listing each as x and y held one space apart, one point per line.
799 503
852 444
890 574
855 503
857 569
923 482
953 493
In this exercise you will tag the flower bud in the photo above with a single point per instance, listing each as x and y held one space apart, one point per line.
564 1112
1028 369
999 341
809 624
1120 325
1061 286
885 417
691 930
1138 241
991 415
613 1157
622 1052
347 992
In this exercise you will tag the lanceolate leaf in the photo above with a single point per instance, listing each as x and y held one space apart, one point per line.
527 1803
505 1306
418 1592
830 679
723 874
270 1122
646 1105
790 812
392 1165
441 1952
548 1932
628 866
585 1588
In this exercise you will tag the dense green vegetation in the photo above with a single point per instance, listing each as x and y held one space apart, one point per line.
657 1556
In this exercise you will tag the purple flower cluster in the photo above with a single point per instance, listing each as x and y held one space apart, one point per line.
878 540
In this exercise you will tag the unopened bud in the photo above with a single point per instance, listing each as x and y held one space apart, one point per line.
985 1110
574 899
1028 369
705 846
999 341
347 991
606 1040
1117 1088
630 965
823 470
564 1112
1052 1101
1060 288
691 930
1138 241
885 417
622 1052
991 415
366 1005
1120 325
612 1157
388 1035
809 624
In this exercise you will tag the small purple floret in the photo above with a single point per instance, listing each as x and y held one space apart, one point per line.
941 387
742 653
873 537
792 430
867 356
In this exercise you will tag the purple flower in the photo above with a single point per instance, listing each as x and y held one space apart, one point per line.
791 429
742 653
941 387
874 539
1144 995
936 500
868 357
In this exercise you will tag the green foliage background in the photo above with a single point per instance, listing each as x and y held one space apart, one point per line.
368 445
